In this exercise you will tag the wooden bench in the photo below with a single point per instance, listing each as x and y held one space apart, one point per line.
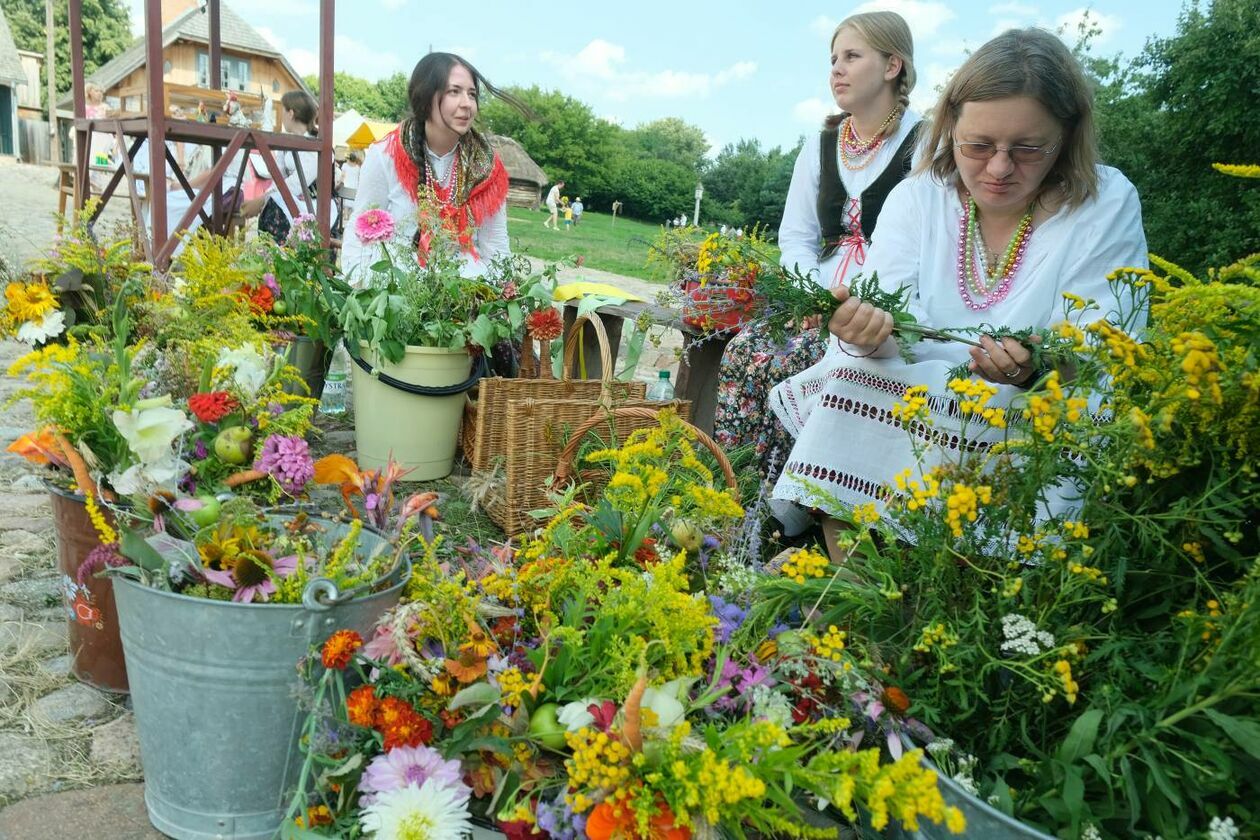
697 369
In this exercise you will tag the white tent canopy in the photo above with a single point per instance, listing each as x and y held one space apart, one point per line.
346 125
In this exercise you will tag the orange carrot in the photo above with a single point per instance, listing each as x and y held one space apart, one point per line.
632 714
82 475
244 477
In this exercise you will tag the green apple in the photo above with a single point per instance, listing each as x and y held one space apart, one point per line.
233 445
208 513
279 307
545 727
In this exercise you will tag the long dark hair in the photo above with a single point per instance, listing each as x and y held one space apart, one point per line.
302 104
433 72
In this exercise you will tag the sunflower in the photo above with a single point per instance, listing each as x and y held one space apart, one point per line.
29 301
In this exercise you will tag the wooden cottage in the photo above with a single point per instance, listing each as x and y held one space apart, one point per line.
525 178
252 70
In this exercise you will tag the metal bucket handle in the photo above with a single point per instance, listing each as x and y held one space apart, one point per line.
321 594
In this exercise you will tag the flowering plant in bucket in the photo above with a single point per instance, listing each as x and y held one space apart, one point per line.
306 284
418 293
581 689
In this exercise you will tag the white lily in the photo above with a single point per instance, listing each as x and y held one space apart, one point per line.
145 478
53 325
666 701
575 716
151 427
249 368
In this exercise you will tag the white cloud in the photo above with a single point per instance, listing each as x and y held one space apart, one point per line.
925 17
1003 24
824 26
305 62
606 62
1068 25
738 70
1015 9
812 111
357 58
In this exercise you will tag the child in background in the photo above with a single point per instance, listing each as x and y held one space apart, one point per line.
568 216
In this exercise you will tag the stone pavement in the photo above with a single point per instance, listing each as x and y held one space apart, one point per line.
114 812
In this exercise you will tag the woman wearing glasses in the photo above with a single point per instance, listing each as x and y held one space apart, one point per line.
1011 211
841 179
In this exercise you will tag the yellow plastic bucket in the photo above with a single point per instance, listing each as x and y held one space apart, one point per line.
419 431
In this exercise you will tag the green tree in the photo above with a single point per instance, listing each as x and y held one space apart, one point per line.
563 136
672 139
353 92
106 33
1187 102
393 93
653 190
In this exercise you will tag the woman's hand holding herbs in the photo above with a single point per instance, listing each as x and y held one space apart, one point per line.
859 323
1005 362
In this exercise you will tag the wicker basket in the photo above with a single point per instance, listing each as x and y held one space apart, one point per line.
545 437
485 438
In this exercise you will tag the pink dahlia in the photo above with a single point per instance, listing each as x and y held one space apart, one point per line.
374 225
403 766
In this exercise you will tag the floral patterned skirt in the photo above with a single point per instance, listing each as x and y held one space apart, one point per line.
751 366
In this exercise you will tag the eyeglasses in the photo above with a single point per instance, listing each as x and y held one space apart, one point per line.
1019 154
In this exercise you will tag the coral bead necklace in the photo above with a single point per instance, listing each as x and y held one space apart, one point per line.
982 285
445 192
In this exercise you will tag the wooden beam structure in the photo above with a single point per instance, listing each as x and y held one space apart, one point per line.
224 140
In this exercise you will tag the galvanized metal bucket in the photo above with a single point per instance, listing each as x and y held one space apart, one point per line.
215 688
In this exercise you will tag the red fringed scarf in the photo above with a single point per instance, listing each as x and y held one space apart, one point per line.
484 198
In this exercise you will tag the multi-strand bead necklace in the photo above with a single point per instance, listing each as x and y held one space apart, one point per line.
856 153
445 192
981 285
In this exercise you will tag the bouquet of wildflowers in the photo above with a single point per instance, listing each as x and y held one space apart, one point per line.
581 687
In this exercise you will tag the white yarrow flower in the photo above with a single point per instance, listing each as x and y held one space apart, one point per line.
1222 829
431 811
1022 636
53 325
1090 832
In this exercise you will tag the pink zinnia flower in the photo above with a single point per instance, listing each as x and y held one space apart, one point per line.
374 225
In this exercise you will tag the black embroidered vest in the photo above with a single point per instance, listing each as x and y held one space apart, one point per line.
833 198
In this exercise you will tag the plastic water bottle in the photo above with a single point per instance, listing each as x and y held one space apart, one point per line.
336 384
662 390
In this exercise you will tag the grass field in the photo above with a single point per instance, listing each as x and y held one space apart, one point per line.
621 248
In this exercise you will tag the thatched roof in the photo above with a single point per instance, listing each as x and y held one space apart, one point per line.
11 72
516 160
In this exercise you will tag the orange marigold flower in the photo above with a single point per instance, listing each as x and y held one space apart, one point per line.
402 725
468 668
339 648
361 706
260 299
318 815
616 821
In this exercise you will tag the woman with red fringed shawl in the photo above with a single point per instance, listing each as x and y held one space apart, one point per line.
436 148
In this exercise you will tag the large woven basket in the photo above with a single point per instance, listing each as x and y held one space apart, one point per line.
546 438
490 419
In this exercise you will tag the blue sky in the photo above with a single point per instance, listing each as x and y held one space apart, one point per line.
734 69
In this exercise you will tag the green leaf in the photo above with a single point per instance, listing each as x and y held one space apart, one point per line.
480 694
1080 740
482 332
135 549
1074 793
1244 733
291 831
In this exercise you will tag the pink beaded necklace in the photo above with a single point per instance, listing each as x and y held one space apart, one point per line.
984 286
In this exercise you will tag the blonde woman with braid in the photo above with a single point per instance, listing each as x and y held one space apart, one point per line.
839 183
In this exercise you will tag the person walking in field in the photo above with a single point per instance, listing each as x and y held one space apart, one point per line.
553 206
577 211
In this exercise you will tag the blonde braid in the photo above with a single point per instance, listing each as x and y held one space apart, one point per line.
903 104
